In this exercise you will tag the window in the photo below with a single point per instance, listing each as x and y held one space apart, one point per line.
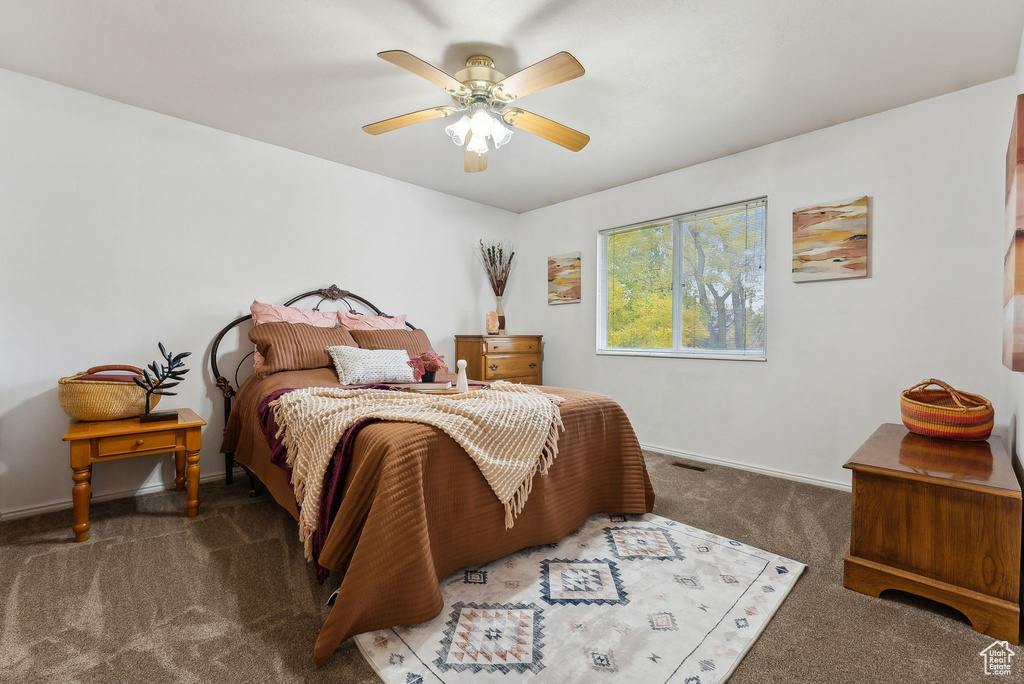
688 285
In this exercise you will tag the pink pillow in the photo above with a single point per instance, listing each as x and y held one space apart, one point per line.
268 313
356 322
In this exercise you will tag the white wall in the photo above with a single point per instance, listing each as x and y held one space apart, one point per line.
1019 76
838 352
122 228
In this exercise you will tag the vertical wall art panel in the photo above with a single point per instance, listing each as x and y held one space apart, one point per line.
830 241
1013 261
564 278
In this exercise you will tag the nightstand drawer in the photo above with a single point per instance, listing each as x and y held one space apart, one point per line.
503 345
126 444
510 366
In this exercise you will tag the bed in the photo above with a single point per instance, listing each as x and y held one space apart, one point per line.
413 507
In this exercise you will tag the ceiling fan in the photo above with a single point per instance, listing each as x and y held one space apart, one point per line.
484 94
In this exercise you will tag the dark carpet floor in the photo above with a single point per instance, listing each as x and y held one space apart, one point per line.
156 597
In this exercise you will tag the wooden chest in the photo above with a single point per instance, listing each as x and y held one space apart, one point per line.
939 519
516 358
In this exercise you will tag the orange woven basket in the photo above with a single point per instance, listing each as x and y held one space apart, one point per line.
946 413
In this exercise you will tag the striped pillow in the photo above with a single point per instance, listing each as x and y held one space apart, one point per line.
296 346
268 313
413 341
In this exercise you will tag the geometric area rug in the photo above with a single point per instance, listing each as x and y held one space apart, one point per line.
631 598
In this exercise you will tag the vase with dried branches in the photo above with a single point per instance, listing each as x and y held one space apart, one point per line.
497 257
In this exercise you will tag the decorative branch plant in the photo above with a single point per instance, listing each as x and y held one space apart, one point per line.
497 258
164 376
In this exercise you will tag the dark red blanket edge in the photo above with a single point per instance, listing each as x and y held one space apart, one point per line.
334 478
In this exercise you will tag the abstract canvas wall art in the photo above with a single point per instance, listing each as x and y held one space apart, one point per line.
564 278
1013 260
830 241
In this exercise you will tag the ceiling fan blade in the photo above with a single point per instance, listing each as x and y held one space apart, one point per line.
544 74
422 69
407 119
474 162
568 138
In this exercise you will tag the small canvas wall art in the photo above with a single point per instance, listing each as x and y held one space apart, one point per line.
564 278
830 241
1013 260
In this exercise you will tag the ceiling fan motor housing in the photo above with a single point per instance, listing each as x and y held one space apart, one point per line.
479 72
479 75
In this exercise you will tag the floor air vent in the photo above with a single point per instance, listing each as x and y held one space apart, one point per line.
687 466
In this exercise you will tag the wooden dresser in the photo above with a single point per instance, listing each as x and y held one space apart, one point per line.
516 358
940 519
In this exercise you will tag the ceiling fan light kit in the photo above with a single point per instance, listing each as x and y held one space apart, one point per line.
483 94
477 145
458 130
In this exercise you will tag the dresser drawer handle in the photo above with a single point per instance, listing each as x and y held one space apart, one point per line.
493 366
533 365
138 442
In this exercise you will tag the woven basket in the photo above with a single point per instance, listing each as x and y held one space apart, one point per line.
103 400
946 413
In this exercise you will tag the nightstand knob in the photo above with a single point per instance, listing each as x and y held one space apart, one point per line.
533 365
493 366
138 442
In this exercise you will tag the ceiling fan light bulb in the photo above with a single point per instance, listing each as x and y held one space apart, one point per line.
481 124
458 131
500 135
477 144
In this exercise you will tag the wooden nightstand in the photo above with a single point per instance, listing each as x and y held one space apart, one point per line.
939 519
516 358
110 440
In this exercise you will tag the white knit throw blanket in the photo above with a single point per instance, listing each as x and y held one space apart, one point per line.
509 430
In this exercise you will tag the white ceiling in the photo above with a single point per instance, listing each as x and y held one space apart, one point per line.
669 83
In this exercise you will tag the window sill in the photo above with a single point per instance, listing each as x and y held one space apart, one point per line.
668 353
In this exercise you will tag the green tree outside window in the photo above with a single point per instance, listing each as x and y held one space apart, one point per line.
714 285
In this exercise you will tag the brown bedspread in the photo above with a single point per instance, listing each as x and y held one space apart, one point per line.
402 526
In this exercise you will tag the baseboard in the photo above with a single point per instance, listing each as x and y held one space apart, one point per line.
160 486
123 494
784 474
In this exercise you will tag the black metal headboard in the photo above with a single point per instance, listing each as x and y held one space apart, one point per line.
333 293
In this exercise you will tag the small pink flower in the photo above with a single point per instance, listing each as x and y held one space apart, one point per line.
417 367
